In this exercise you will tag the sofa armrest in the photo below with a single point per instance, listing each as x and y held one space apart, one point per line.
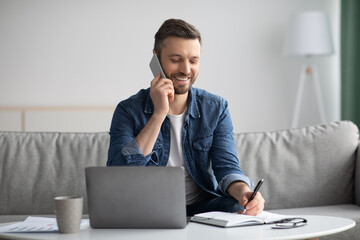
357 177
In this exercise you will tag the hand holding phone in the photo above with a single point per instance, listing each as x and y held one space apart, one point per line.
162 91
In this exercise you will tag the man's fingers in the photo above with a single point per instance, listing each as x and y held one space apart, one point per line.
161 93
166 86
171 95
245 199
163 87
255 206
256 210
161 82
155 80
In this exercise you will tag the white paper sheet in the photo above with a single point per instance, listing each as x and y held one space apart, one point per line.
37 224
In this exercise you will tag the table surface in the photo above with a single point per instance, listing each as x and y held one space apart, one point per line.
317 226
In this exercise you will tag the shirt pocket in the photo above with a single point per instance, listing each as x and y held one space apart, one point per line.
203 143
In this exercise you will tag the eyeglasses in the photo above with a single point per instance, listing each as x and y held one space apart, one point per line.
290 223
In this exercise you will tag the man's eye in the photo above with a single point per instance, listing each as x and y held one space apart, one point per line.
175 60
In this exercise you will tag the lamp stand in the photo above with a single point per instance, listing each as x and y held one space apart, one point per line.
308 70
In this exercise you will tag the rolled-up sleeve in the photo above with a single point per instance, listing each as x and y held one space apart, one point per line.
132 154
227 180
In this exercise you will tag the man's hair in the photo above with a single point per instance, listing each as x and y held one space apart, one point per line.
174 28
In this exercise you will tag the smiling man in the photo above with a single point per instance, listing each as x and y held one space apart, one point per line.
174 124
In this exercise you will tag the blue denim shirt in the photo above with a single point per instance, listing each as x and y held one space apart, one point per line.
207 135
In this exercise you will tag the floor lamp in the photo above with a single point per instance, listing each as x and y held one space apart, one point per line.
309 36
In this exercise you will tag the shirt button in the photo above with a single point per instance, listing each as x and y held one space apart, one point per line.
166 130
154 158
167 152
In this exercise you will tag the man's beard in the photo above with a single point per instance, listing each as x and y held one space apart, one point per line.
184 89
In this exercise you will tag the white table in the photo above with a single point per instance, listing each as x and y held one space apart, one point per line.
317 226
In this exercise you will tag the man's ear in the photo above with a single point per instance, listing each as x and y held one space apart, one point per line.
154 51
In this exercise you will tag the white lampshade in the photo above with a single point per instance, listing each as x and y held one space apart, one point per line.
309 34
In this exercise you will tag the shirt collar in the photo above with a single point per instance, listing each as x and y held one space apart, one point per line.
193 108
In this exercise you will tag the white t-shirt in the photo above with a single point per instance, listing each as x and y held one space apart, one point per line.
176 158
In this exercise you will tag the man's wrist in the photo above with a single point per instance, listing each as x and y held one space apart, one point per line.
237 189
158 117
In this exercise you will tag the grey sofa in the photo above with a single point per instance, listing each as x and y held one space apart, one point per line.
312 170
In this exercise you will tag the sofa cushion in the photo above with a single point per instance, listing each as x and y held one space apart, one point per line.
36 167
311 166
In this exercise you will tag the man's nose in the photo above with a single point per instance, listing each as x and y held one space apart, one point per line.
185 68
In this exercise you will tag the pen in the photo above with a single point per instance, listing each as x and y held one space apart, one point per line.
254 193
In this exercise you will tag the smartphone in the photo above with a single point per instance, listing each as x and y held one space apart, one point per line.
155 66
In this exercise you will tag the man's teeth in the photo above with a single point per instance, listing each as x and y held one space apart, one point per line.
182 79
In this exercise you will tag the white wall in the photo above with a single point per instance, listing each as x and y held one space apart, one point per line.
95 53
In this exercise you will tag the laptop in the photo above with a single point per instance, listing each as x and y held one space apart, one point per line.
136 197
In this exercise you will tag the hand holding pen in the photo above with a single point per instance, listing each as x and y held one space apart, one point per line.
254 193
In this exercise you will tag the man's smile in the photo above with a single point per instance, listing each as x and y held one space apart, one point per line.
182 78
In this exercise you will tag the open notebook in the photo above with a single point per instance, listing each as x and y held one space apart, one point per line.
225 219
